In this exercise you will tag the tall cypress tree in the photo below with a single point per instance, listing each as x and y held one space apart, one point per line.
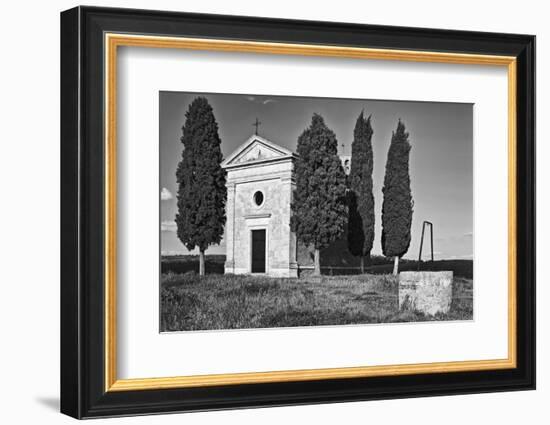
360 197
318 205
201 181
397 208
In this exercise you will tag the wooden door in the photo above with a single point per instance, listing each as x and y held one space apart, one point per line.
258 251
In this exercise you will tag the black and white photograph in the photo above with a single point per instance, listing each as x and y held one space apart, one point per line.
281 211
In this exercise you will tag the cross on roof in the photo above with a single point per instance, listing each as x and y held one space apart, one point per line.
256 124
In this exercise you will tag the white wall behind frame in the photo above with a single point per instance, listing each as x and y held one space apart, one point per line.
144 72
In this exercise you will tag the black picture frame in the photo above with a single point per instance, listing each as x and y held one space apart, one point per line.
83 392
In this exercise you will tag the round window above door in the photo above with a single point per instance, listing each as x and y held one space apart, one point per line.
258 198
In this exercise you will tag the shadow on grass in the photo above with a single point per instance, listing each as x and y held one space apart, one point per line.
213 264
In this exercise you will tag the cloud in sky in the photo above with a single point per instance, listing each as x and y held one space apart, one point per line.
172 252
460 257
168 226
254 99
165 194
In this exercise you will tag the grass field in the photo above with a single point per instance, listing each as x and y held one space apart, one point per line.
216 301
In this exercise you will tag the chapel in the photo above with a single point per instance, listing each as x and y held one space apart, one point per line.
260 183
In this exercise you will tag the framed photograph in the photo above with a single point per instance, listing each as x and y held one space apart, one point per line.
261 212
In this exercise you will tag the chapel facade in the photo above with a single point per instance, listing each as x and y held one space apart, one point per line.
260 183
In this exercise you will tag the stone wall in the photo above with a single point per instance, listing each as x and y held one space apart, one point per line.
427 292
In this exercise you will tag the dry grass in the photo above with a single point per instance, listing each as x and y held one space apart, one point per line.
190 302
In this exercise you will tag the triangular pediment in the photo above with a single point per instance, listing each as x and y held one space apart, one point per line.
256 149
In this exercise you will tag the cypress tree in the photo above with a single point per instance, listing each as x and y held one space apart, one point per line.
201 181
397 207
360 197
318 205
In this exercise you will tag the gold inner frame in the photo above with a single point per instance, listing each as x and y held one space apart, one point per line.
113 41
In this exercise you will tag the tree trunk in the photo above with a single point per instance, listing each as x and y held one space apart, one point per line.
395 265
317 270
201 263
362 264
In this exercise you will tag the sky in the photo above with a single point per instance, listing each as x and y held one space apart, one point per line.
441 158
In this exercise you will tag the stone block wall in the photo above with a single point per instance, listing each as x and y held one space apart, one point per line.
427 292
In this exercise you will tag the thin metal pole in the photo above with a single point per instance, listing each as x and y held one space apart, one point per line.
432 240
421 243
424 224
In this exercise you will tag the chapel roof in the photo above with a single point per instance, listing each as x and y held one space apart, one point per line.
257 149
